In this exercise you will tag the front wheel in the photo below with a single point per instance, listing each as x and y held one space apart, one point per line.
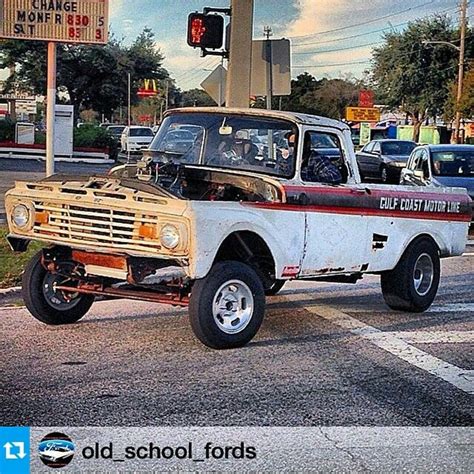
226 307
412 285
44 302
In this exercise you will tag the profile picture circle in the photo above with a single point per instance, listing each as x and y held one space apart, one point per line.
56 450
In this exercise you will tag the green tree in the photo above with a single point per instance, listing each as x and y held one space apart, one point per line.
89 77
466 105
196 97
412 75
332 96
301 86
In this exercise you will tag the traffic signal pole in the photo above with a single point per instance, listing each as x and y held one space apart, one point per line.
240 54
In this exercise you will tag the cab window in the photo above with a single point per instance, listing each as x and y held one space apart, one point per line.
323 159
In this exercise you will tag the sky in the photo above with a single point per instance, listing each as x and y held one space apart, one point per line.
329 38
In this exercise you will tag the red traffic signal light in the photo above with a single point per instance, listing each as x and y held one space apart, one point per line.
205 31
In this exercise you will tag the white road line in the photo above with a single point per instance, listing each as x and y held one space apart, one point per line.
460 378
434 337
442 308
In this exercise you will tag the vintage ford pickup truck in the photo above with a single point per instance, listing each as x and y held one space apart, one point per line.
219 216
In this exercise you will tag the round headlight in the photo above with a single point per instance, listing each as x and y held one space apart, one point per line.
20 215
169 236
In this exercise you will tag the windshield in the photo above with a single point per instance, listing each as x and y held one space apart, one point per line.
453 163
116 130
227 141
397 148
141 132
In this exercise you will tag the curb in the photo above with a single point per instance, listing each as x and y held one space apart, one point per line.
8 291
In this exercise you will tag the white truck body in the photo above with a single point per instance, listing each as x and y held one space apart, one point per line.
294 230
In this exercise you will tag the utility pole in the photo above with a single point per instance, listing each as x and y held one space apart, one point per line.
167 93
240 54
129 113
267 31
461 71
50 108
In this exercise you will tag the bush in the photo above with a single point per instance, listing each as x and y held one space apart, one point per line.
89 136
7 130
40 138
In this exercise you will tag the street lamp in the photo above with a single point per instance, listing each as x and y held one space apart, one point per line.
442 42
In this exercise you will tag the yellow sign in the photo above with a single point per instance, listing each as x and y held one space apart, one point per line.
362 114
67 21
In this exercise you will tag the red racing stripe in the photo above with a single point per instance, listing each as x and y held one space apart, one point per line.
361 211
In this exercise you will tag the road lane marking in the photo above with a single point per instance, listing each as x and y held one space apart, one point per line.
460 378
435 337
442 308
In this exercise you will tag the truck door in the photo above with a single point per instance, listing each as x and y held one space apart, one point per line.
336 229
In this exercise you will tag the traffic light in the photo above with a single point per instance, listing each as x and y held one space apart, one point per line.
205 31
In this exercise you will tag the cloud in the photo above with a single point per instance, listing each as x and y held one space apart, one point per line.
316 16
116 7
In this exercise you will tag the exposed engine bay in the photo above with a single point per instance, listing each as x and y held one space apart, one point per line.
200 183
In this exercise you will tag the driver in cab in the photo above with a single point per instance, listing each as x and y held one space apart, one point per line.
236 149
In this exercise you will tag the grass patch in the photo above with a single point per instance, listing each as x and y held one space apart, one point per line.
12 263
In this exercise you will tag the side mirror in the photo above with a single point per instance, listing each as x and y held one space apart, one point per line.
418 174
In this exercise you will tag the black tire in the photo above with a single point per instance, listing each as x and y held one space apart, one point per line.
207 327
52 309
399 286
276 286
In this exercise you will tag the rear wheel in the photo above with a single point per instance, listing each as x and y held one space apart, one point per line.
412 285
226 307
45 302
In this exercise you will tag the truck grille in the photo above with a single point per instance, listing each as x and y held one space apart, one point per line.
97 227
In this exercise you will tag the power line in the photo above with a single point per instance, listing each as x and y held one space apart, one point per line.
374 20
334 64
322 51
206 63
372 31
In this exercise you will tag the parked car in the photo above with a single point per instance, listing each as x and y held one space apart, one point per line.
441 165
384 159
136 138
116 131
216 233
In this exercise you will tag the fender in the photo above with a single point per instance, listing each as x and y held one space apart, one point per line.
285 246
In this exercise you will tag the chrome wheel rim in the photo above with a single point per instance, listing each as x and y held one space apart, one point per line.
384 175
423 274
233 306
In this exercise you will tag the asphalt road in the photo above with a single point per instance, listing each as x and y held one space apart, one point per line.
326 355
